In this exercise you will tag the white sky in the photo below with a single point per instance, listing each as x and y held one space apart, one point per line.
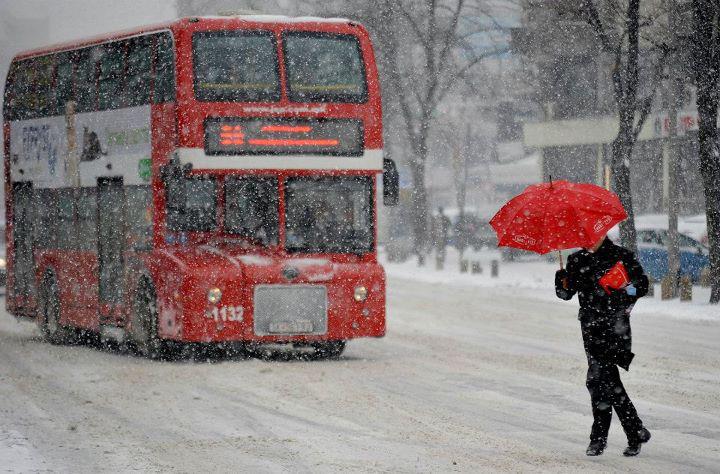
26 24
70 19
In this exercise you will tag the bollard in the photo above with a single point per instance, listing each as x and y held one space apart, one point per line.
666 288
464 264
476 267
651 287
494 268
685 288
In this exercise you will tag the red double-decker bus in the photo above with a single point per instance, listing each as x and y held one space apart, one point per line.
204 180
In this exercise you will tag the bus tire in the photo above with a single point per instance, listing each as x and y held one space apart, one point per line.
143 329
49 312
329 349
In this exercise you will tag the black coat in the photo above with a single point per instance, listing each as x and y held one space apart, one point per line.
604 318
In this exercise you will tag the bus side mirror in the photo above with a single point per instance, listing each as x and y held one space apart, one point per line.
391 183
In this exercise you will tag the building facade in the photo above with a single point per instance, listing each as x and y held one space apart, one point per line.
572 80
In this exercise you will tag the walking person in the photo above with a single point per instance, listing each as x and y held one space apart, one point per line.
605 323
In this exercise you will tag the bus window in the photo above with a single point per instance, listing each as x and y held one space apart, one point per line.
63 91
138 208
235 66
21 91
85 78
41 83
66 237
139 62
329 215
87 220
11 93
251 208
31 90
110 81
164 84
324 68
46 214
192 204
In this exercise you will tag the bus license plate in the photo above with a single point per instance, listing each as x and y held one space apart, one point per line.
291 327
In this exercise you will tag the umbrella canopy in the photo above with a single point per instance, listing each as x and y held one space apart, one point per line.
557 215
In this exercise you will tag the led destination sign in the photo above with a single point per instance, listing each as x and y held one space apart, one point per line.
240 136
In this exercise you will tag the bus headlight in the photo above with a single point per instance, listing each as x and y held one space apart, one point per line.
214 295
360 293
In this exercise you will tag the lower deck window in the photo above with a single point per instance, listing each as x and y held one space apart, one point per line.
329 214
192 204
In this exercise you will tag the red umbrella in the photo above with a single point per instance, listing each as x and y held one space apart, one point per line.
557 215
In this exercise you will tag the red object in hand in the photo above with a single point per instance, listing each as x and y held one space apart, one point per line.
615 278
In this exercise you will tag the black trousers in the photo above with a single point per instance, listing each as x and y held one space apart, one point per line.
607 393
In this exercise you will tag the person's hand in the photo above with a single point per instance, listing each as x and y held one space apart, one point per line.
620 299
562 279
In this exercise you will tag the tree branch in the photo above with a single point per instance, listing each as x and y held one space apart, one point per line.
588 6
645 108
414 26
461 73
450 35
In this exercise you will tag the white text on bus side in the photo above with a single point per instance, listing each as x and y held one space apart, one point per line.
225 313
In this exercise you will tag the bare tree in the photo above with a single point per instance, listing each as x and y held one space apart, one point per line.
621 40
706 52
422 67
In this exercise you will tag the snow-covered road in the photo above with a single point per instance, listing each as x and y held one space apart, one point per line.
468 379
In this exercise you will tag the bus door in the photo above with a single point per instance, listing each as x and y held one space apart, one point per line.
23 262
111 243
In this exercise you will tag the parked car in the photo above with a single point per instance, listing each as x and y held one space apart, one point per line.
653 255
475 233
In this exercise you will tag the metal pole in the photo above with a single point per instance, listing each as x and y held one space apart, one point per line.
675 93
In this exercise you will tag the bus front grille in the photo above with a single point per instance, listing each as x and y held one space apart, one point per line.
290 310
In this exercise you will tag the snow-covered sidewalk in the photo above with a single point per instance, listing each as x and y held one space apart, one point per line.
534 277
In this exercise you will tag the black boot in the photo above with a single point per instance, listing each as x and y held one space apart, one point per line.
633 449
596 447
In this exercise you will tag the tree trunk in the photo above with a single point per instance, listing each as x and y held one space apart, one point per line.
419 209
621 155
706 54
710 171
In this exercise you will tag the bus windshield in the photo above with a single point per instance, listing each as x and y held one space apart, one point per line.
329 215
324 68
191 204
236 66
251 208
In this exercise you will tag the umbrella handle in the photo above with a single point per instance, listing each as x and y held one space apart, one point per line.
560 259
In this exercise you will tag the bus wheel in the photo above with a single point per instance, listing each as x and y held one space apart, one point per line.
49 313
329 349
143 330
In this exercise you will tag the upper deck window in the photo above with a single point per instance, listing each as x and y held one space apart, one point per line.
324 67
236 66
